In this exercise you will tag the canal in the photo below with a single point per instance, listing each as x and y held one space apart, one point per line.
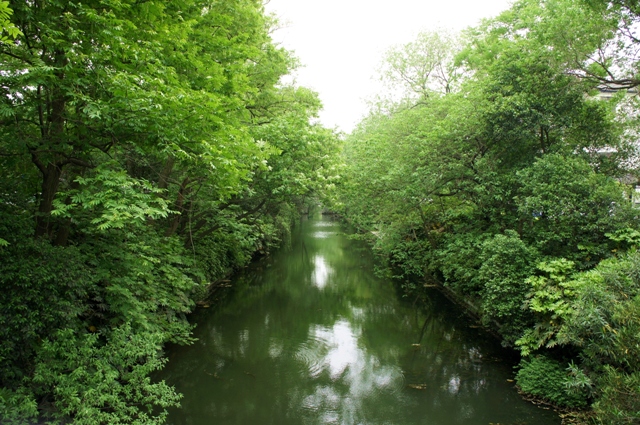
312 336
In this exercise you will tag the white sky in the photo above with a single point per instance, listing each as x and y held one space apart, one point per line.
340 42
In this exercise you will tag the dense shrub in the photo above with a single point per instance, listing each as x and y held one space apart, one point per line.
44 288
619 399
605 326
97 381
547 379
506 264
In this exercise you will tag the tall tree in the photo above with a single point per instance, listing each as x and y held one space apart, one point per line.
424 67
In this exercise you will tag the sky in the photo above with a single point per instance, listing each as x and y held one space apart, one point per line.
340 43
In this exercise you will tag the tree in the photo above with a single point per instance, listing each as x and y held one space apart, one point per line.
424 67
148 150
509 191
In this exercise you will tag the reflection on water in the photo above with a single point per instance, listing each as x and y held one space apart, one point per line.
311 336
356 374
321 271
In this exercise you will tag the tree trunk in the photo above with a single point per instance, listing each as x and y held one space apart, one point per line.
52 141
50 182
163 181
64 229
182 193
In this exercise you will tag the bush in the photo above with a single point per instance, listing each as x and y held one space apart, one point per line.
619 401
105 382
548 380
606 328
17 407
459 261
43 289
506 263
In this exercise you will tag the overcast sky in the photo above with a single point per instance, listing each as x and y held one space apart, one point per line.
340 42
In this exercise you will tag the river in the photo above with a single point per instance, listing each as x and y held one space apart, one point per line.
311 336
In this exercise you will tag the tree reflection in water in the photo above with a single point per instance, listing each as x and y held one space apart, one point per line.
311 336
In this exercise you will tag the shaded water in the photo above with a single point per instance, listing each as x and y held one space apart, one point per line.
311 336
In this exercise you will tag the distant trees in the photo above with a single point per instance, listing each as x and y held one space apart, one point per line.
424 66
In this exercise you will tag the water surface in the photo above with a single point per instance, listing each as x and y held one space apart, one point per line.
311 336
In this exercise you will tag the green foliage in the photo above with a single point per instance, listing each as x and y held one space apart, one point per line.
147 149
114 199
459 261
619 401
45 288
606 327
520 166
547 379
606 322
571 208
506 263
6 26
221 253
424 67
17 407
149 288
627 238
96 382
408 254
551 300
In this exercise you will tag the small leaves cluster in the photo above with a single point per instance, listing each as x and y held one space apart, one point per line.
114 199
104 383
6 26
551 300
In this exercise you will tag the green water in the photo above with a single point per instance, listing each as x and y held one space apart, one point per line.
311 336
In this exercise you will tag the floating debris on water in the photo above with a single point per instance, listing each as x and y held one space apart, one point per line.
418 386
